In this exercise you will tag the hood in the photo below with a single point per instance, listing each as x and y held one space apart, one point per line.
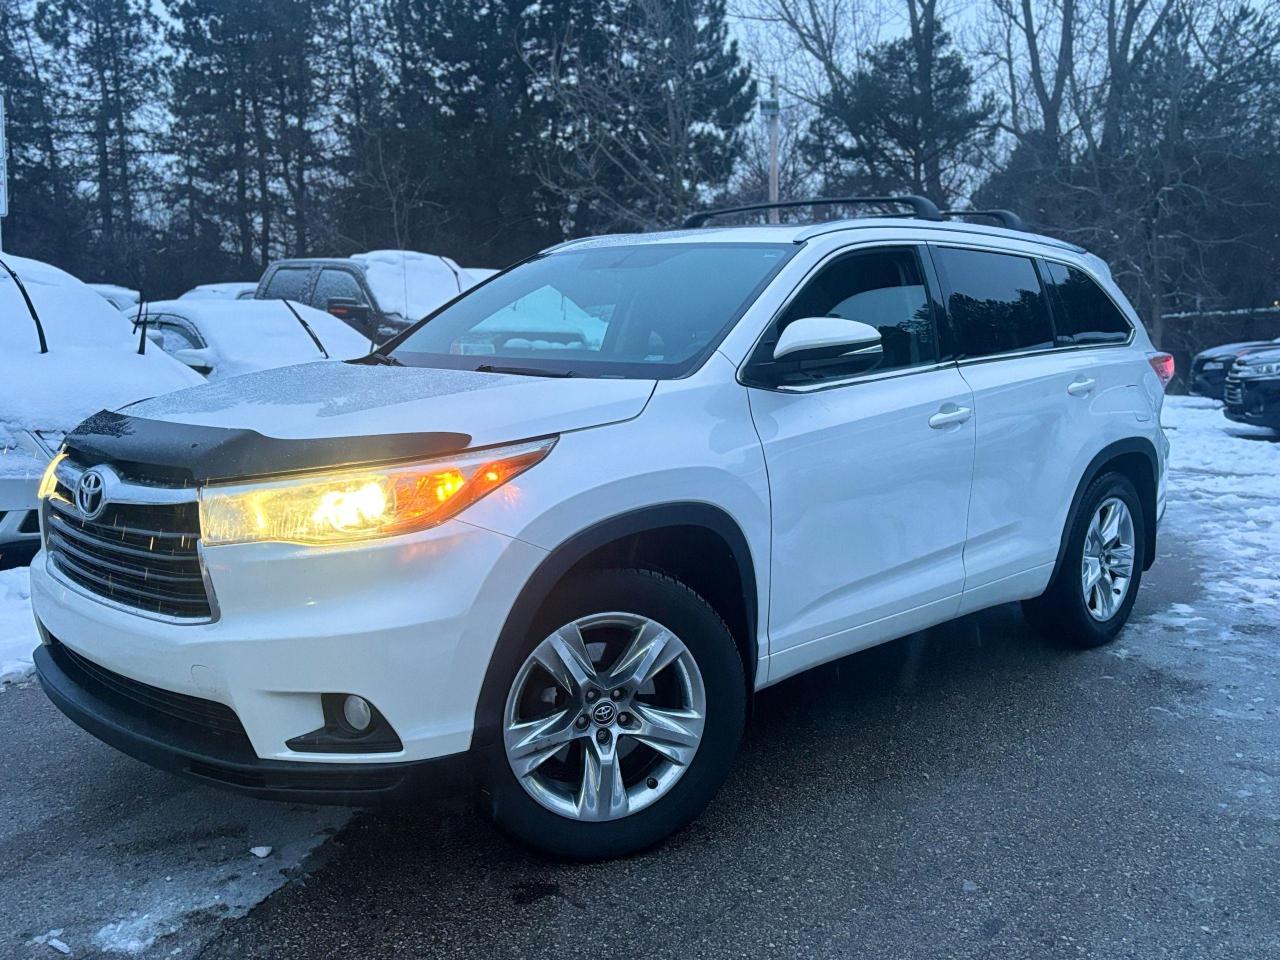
326 414
1229 350
1257 357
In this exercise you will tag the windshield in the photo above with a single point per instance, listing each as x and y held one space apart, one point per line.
653 310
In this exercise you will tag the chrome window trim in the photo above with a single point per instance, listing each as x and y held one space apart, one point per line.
857 378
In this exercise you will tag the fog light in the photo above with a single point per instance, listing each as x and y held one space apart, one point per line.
357 712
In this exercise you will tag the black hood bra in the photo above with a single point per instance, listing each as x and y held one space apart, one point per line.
183 453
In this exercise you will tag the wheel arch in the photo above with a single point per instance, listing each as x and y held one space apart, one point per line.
1136 459
614 542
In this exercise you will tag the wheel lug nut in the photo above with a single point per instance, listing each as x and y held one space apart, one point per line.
602 736
581 722
592 696
624 719
651 783
616 694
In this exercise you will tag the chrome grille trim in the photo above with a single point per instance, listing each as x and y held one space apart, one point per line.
141 555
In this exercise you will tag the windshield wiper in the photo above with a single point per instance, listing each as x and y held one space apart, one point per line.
307 327
31 307
523 371
378 358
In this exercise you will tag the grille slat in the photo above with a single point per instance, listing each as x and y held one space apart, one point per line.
142 555
1233 392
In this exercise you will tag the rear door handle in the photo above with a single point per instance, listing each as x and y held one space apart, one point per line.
1080 387
950 414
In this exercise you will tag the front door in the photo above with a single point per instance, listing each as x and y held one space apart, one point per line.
869 471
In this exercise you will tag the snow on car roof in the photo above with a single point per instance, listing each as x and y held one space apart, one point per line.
410 283
249 335
219 291
93 361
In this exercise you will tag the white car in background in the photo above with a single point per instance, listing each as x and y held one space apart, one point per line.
225 338
122 298
222 291
91 364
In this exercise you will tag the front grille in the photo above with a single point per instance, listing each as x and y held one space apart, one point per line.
141 555
1233 393
143 700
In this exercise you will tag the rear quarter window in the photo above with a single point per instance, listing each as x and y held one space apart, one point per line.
1083 313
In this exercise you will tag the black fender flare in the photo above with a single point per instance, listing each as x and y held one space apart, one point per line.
569 552
1129 445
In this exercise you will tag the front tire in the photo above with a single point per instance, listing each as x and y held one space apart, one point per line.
1096 583
621 719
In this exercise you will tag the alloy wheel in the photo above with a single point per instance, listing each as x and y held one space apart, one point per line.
604 716
1107 566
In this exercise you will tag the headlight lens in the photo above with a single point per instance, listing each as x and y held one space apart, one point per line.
1258 369
49 482
362 503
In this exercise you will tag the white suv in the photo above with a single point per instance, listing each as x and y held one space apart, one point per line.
550 541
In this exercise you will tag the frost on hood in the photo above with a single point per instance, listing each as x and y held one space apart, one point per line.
333 389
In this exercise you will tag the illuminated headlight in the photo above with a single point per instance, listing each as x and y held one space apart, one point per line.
360 504
49 482
1258 369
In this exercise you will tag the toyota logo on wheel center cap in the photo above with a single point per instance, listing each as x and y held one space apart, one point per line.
604 713
90 497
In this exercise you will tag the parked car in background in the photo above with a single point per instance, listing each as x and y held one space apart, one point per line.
122 298
561 565
1208 377
222 291
225 338
379 293
91 364
1252 391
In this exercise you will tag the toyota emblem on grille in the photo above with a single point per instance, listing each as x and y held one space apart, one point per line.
90 497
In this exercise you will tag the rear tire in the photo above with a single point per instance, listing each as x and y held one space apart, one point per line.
617 618
1093 590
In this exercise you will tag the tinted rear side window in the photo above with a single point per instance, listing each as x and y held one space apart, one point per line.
995 302
1083 313
288 283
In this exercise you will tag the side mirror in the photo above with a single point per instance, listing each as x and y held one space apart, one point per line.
828 338
348 309
199 360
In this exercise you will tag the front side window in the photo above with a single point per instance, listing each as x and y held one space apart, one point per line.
174 335
631 310
288 283
882 288
995 302
1083 313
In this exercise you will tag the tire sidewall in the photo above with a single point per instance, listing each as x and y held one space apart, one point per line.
702 631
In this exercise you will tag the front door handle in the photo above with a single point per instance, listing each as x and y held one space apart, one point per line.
949 415
1080 387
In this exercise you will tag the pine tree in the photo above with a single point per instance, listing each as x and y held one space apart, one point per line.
45 217
907 121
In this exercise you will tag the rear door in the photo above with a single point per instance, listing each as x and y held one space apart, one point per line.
1032 404
869 470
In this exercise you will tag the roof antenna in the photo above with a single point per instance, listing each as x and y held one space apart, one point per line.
307 327
31 307
144 314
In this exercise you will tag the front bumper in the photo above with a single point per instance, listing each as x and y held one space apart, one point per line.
1254 400
408 623
224 760
1208 382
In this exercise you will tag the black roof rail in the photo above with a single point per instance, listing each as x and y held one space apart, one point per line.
921 207
1005 218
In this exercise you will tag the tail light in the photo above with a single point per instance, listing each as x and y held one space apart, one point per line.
1162 364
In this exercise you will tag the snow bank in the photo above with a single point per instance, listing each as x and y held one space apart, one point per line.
18 635
412 284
